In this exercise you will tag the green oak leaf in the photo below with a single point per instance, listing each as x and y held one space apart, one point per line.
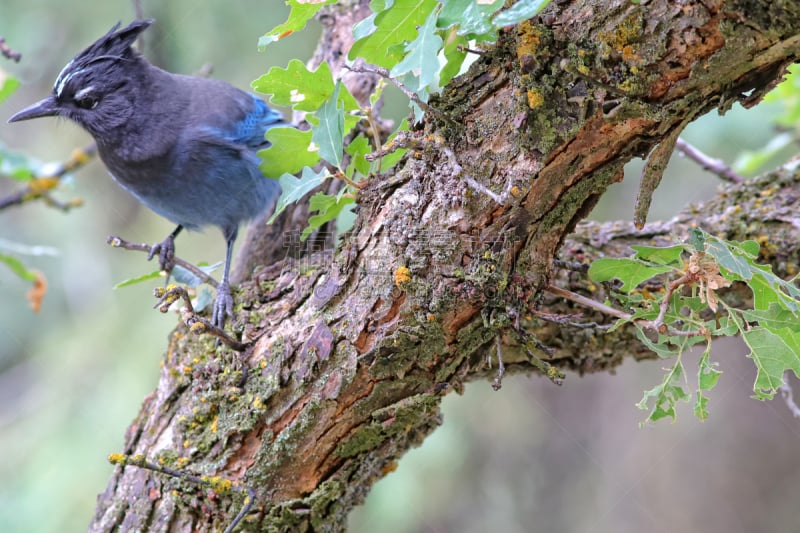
631 272
420 67
293 188
290 151
301 12
328 135
391 29
328 208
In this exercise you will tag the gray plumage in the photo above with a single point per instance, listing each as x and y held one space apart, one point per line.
184 146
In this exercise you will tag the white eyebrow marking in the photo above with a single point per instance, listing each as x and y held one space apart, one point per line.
83 92
64 76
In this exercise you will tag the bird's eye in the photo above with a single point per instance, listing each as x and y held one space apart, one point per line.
87 101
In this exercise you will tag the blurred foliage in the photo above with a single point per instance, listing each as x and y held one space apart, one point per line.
786 97
8 84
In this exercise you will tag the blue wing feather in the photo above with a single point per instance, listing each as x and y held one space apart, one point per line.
250 130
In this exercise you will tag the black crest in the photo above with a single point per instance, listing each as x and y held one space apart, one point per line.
114 46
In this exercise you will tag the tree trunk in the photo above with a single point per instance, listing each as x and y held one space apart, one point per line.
349 355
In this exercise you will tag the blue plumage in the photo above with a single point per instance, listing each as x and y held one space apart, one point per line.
184 146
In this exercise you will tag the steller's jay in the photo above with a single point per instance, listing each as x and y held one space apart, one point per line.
183 146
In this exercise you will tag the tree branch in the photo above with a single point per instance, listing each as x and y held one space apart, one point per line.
715 166
347 366
41 186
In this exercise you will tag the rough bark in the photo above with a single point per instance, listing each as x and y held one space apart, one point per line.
349 356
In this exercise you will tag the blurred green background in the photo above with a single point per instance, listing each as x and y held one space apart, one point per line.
532 457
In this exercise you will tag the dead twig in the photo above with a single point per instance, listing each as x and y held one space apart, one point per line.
197 324
41 186
216 483
7 52
382 72
715 166
657 325
118 242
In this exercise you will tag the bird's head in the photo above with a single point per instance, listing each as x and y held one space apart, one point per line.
96 89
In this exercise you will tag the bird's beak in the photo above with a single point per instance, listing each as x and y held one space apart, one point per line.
44 108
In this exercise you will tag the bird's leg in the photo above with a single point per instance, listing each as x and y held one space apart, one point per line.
166 252
223 304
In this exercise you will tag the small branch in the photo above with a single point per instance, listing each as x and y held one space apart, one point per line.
657 325
369 69
588 302
463 48
117 242
715 166
218 484
40 186
569 320
403 139
342 176
167 296
8 52
197 324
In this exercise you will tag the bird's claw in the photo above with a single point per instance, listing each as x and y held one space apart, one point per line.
223 306
166 254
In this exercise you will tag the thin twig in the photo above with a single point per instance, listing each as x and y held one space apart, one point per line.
216 483
118 242
370 69
569 320
403 139
41 186
657 325
463 48
8 52
588 302
197 324
715 166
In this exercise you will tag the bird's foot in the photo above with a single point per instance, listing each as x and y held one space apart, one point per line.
197 324
223 305
166 254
